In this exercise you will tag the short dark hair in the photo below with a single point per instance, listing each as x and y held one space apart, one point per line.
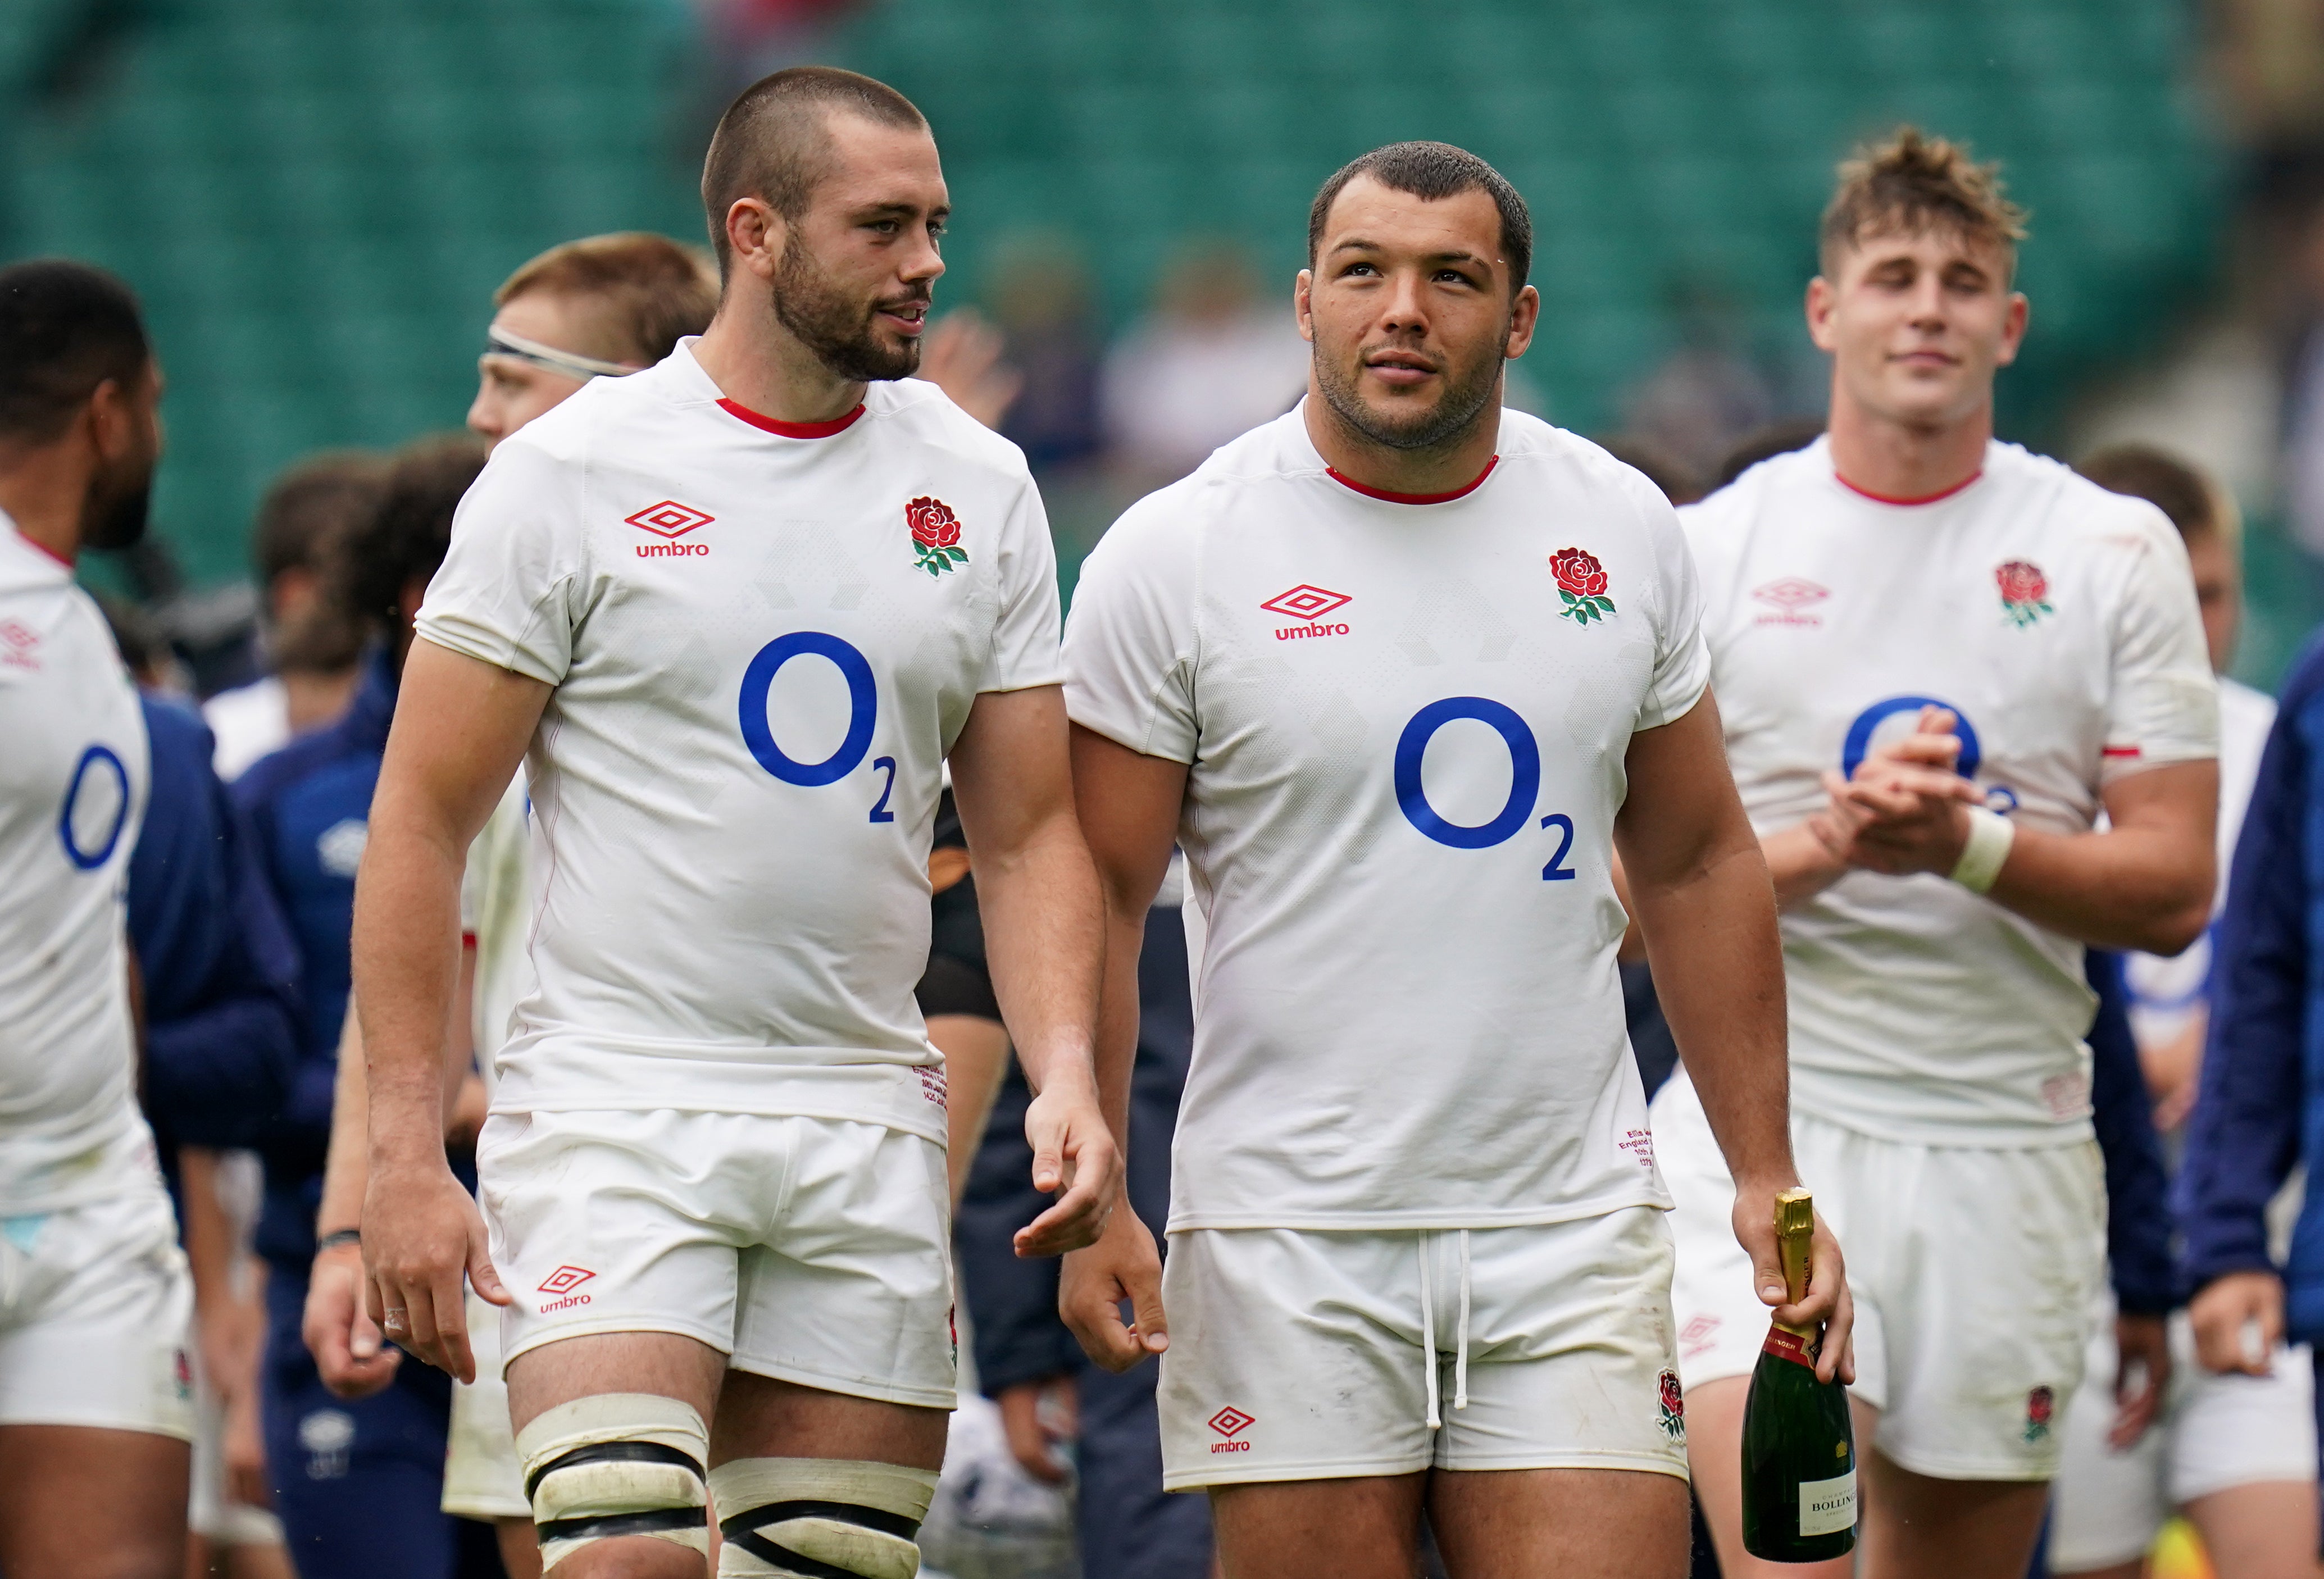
312 507
773 142
641 293
65 328
2171 484
1433 172
405 538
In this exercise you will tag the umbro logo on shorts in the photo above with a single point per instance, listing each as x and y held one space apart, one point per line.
1227 1422
561 1283
669 519
1310 603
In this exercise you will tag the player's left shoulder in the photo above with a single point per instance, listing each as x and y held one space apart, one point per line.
919 413
1565 466
2074 514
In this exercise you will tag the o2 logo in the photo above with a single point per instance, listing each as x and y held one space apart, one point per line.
71 825
1524 781
863 712
1999 797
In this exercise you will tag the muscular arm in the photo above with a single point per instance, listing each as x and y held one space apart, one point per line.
1038 899
1130 806
461 726
1700 888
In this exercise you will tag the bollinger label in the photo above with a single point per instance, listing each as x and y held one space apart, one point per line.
1798 1348
1828 1507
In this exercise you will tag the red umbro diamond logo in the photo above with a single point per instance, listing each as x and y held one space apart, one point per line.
1229 1420
670 519
1791 594
1303 602
565 1279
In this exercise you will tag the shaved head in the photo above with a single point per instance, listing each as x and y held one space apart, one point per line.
774 142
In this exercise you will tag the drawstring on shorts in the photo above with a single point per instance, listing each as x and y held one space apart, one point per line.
1428 1332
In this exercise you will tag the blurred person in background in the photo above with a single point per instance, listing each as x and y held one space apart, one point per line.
311 646
357 1482
1040 296
1212 361
95 1380
220 976
2236 1454
1707 393
1960 609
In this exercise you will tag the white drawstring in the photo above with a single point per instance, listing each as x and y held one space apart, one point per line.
1428 1332
1460 1358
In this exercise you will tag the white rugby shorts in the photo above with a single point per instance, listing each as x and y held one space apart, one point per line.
482 1476
95 1317
2216 1432
1301 1354
812 1251
1973 1270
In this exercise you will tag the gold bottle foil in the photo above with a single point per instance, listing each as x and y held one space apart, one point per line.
1794 1234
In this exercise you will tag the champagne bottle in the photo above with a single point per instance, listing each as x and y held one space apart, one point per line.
1799 1452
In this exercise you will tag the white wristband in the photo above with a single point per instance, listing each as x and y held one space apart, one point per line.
1990 834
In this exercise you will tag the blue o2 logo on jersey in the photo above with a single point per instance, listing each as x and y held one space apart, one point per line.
863 712
1999 797
70 831
1524 781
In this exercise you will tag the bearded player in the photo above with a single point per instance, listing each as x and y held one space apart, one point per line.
741 606
1942 661
1400 671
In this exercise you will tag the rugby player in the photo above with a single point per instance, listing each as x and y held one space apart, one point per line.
741 606
1400 671
603 306
1940 660
2236 1453
96 1384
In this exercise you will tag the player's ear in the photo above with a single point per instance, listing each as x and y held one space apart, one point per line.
2013 328
1303 304
1821 299
756 233
1525 314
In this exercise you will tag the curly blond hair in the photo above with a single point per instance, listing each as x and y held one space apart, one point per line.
1909 182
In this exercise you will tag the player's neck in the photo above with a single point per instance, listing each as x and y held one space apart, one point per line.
1418 473
43 491
759 365
1903 462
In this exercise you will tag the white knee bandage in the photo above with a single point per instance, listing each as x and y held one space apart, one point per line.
820 1518
618 1463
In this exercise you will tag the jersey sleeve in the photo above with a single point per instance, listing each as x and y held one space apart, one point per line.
1682 669
503 595
1025 631
1129 645
2162 702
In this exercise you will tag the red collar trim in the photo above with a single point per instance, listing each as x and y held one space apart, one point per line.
793 429
35 543
1924 499
1348 482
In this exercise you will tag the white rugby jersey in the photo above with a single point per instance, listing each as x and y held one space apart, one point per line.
2058 622
74 775
764 638
2166 993
1406 721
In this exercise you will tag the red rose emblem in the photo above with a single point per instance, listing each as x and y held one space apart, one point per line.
1578 572
933 523
2022 582
1672 1400
2041 1401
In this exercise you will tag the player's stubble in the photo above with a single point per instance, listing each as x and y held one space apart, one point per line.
838 327
1469 388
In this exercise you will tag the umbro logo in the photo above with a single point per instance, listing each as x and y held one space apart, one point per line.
1310 603
669 519
1791 597
1227 1422
561 1283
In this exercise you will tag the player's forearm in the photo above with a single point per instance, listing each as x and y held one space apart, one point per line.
2126 888
1117 1019
407 947
1719 973
1799 866
346 1164
1044 941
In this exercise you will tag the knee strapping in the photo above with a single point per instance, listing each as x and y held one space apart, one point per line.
820 1518
617 1463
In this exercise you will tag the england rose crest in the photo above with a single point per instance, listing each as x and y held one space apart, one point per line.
2025 591
2041 1403
1672 1407
1582 583
935 535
